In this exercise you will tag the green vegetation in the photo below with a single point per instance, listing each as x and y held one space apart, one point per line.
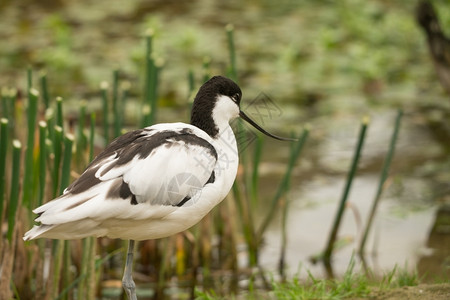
350 286
317 59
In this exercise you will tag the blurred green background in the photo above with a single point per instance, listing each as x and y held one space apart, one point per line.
349 51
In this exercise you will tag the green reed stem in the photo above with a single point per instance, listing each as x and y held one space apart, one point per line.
66 266
148 62
51 123
191 84
4 142
31 117
284 185
149 88
59 113
191 90
15 186
153 100
247 205
86 280
86 243
84 265
81 136
337 221
85 275
125 87
232 71
65 173
91 269
206 69
163 267
57 151
13 99
42 161
44 88
255 172
29 78
6 110
284 204
282 260
10 97
57 255
104 90
383 176
5 106
65 179
42 183
92 137
116 104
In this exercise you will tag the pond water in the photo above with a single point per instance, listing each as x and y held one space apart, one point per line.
394 240
418 185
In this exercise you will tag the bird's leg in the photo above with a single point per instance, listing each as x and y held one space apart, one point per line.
127 281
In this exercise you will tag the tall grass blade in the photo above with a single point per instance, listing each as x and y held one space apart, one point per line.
57 151
383 177
89 244
51 123
125 87
15 187
104 90
6 105
351 174
150 83
42 183
81 136
232 71
4 142
65 179
29 164
116 104
255 171
59 113
148 63
5 102
13 108
55 269
285 182
42 161
206 69
153 100
91 277
29 78
95 267
65 173
191 85
246 206
92 137
44 89
84 266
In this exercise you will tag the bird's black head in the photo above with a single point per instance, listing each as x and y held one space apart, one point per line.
206 98
217 102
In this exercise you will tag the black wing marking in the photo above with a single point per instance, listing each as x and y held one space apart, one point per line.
135 144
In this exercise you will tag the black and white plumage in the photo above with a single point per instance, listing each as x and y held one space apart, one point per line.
153 182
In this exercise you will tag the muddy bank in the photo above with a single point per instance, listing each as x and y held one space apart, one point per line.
422 292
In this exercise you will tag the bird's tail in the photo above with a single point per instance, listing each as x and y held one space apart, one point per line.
36 232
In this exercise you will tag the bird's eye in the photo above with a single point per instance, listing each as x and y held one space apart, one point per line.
236 97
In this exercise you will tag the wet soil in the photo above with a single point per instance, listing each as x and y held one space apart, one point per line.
421 291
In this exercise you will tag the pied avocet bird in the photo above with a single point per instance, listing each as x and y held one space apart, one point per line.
153 182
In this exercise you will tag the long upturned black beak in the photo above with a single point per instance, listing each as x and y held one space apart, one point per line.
246 118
